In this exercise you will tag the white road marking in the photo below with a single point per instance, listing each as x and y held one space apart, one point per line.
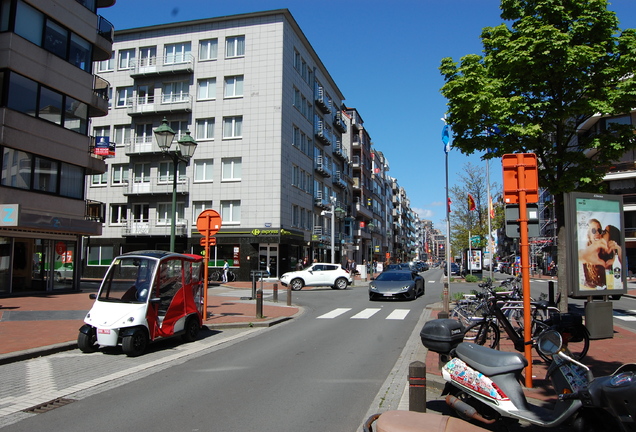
367 313
398 314
334 313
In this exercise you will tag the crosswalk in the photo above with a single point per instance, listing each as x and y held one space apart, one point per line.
629 315
395 314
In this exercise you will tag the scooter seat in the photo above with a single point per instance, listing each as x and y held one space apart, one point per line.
488 361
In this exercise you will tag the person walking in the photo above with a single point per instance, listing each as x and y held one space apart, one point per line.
226 268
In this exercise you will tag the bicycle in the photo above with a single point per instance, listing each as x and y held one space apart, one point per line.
217 276
486 331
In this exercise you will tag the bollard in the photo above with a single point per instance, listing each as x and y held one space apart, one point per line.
275 293
259 303
417 386
551 291
289 290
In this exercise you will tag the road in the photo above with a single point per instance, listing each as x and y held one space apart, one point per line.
322 371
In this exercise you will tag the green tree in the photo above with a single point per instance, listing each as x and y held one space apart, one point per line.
537 85
465 222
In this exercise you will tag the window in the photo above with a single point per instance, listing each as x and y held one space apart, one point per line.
50 106
232 127
179 127
206 89
29 23
107 65
75 115
231 169
198 207
147 57
122 134
295 216
45 175
164 213
205 129
231 212
118 214
80 52
23 94
235 46
144 133
203 170
124 96
102 131
142 173
177 53
140 212
99 179
126 59
100 255
166 172
16 169
175 92
234 86
208 49
71 181
119 174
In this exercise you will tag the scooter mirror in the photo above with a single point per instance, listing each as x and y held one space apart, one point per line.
550 342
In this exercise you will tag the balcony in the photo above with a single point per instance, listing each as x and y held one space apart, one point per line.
99 102
168 104
95 211
183 63
141 145
321 167
322 100
157 186
339 123
340 151
338 180
323 134
154 228
321 202
103 47
363 210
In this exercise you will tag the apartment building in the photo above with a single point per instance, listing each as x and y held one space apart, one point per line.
48 98
268 121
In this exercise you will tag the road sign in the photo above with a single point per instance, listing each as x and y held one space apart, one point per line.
209 222
207 241
512 184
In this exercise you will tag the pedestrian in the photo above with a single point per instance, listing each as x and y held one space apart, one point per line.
299 265
226 268
353 268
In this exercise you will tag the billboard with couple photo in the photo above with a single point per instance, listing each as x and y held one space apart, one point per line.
596 255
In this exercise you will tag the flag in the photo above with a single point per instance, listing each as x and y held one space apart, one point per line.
471 203
449 203
446 138
491 209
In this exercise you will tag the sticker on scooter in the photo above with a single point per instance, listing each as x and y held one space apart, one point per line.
476 381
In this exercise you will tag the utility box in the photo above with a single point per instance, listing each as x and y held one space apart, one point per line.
599 319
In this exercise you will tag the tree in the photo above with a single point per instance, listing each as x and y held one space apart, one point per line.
539 82
474 222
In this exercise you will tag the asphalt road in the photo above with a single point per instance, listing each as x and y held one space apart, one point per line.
321 371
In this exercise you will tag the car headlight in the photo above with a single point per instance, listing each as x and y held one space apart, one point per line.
373 287
405 288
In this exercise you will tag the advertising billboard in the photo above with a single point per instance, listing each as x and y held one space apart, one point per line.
596 240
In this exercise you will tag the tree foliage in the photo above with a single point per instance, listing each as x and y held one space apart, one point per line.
540 87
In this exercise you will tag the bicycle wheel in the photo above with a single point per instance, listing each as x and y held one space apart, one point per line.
483 333
231 277
576 340
462 314
215 276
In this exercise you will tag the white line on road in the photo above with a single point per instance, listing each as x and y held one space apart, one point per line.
398 314
334 313
367 313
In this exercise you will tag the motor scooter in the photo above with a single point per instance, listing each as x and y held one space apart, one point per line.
484 385
145 296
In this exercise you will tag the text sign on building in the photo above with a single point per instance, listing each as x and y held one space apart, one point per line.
9 214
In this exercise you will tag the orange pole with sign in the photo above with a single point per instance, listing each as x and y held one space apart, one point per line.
208 224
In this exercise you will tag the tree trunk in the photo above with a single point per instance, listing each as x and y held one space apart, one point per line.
562 259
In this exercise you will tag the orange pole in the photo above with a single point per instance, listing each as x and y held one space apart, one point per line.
525 265
205 272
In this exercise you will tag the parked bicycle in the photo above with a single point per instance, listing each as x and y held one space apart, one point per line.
486 331
216 275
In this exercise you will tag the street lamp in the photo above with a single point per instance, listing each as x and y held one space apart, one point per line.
333 212
183 153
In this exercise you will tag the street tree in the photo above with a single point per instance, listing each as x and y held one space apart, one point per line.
466 223
536 89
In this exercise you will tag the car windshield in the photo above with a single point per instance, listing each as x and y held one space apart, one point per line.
128 280
393 276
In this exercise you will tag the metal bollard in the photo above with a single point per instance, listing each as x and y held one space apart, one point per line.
551 291
259 303
417 386
289 291
275 293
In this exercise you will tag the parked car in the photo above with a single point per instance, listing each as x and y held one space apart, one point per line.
455 270
403 284
318 274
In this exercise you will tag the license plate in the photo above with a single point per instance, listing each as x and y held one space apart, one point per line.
103 331
388 294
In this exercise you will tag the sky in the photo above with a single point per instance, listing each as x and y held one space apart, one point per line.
384 55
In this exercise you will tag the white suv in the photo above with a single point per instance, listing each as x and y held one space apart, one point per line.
318 274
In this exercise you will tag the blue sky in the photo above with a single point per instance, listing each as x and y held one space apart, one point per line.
384 55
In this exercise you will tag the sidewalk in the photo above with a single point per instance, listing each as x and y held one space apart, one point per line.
37 325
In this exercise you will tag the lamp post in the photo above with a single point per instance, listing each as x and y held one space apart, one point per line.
333 212
183 153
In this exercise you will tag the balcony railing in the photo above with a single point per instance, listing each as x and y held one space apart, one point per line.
157 186
155 228
167 104
105 29
163 65
339 123
321 167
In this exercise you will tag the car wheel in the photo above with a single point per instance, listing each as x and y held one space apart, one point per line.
341 283
191 330
87 343
135 344
297 284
